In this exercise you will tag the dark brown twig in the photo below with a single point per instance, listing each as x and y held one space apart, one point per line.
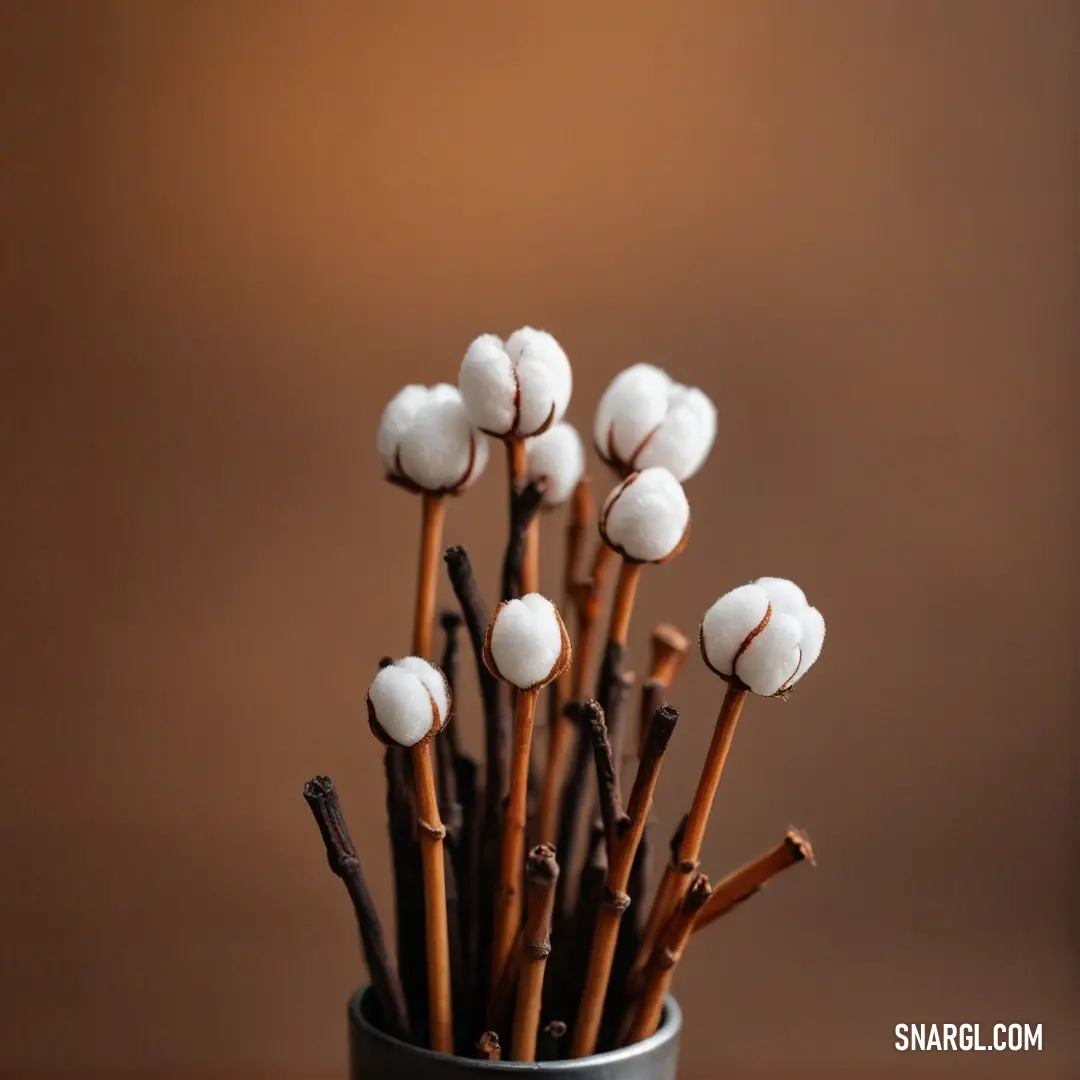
322 799
574 791
611 808
590 894
496 741
524 505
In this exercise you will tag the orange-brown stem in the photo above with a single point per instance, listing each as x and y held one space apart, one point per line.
431 534
431 832
512 848
541 872
676 879
664 959
741 884
530 563
560 731
588 596
623 605
623 848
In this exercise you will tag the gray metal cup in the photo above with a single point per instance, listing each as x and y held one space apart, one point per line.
376 1056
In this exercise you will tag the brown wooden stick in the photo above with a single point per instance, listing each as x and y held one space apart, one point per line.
512 848
530 560
431 533
488 1047
625 837
652 697
587 602
488 816
609 797
622 606
322 799
669 647
541 873
665 957
560 729
524 505
435 917
743 883
677 876
408 874
572 961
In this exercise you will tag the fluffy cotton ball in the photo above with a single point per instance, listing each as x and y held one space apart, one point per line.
645 419
527 644
646 516
784 595
728 623
517 388
408 701
559 457
771 659
765 634
813 624
427 441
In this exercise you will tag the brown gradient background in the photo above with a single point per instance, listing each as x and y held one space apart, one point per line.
232 230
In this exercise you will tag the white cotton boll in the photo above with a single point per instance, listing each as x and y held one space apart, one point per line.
631 407
728 623
441 449
396 420
813 624
784 595
488 385
559 457
427 441
646 516
772 657
527 644
516 388
544 378
682 440
400 703
435 681
645 419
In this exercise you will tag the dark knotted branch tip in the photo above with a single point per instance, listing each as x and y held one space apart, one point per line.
541 867
322 798
450 621
700 890
488 1047
661 729
611 809
798 844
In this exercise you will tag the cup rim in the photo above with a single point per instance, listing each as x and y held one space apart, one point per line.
668 1031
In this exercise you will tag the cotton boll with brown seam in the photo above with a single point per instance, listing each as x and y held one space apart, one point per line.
516 388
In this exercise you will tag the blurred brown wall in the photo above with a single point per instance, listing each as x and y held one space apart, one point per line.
232 230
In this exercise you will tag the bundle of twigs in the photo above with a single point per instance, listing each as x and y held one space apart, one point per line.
532 953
